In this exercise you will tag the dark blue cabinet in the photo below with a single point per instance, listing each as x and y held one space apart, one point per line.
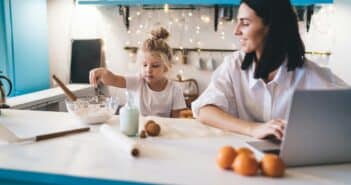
186 2
24 44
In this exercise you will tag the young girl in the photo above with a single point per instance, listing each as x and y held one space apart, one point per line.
154 93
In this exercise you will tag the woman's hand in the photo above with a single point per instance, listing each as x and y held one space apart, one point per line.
273 127
100 75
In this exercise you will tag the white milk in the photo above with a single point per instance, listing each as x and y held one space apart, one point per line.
129 117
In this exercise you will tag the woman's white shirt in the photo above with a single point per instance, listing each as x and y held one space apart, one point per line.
238 93
156 103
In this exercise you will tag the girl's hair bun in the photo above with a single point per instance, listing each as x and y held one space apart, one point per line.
159 34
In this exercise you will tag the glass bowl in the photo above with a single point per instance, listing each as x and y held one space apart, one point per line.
93 109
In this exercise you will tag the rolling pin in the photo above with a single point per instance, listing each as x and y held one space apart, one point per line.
128 145
67 92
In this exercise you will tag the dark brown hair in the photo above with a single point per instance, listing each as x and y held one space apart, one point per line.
282 40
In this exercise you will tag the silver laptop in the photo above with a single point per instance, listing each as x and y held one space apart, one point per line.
318 129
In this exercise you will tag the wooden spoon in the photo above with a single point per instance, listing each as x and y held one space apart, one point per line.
70 95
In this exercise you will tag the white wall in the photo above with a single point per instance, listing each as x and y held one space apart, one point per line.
341 61
67 21
59 22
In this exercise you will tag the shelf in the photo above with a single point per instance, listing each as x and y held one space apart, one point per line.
186 50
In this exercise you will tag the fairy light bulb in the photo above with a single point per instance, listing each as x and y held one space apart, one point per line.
166 8
138 13
190 14
141 26
180 72
191 40
205 18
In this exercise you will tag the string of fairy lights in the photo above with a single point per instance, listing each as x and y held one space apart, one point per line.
186 26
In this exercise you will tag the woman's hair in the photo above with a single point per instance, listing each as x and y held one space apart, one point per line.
158 46
282 40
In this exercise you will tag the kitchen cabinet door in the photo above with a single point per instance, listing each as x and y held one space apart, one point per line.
2 38
26 44
5 53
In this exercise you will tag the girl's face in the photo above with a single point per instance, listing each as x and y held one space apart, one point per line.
153 68
250 30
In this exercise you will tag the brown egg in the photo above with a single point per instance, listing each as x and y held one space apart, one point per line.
225 157
244 150
245 164
152 128
272 166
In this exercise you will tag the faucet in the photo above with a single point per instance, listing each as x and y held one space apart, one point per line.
3 92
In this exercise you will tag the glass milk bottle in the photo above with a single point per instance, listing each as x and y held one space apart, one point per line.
129 117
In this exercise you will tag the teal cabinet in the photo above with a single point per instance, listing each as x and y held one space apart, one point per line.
186 2
5 48
24 41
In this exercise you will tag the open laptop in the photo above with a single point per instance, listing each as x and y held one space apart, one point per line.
318 129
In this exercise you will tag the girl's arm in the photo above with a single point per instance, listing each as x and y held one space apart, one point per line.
214 116
176 113
106 77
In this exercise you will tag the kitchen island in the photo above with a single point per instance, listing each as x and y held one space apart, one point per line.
184 153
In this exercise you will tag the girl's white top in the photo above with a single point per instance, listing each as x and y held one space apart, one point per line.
155 103
238 93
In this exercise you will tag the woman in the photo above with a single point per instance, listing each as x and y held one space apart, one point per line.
251 91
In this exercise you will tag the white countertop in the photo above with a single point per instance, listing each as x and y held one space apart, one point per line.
184 154
51 94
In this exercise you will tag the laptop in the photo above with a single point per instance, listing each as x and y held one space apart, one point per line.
318 129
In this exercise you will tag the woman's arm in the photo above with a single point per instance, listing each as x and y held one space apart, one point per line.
214 116
106 77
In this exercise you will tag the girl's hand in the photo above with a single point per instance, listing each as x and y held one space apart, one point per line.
273 127
100 75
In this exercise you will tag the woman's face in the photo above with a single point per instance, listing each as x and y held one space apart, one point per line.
153 68
250 30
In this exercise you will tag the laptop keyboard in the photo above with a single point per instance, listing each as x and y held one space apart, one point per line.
268 145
